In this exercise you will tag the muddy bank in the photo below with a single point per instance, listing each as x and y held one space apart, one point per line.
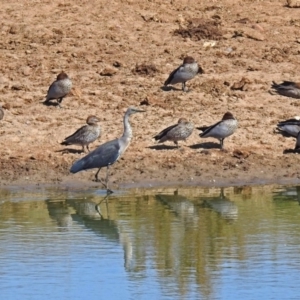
118 61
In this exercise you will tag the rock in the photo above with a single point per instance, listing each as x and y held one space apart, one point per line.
26 71
13 29
240 154
209 44
144 69
257 27
227 36
240 85
76 92
118 64
150 17
6 106
253 34
108 71
17 87
33 45
243 21
293 3
145 102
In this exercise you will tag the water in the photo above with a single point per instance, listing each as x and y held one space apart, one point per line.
236 243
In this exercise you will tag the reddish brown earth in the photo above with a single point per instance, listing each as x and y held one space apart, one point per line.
119 53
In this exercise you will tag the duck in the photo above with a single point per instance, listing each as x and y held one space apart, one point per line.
289 128
85 135
185 72
59 88
220 130
287 88
177 132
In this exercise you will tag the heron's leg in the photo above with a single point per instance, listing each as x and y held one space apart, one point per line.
176 143
96 176
107 175
83 148
87 146
97 179
106 197
97 207
222 193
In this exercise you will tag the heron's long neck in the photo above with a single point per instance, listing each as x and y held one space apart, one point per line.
127 134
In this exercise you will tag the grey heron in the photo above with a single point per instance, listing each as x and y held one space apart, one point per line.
108 153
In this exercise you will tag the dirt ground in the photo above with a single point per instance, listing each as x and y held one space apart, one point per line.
119 53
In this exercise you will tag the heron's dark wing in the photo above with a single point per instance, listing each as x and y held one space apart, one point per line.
106 154
171 76
207 129
72 137
164 132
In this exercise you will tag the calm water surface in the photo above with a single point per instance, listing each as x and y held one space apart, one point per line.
190 243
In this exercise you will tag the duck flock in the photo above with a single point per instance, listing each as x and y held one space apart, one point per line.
108 153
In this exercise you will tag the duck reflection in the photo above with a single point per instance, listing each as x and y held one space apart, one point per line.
222 205
180 206
289 193
60 212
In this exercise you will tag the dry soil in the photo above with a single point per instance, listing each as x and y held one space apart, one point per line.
119 53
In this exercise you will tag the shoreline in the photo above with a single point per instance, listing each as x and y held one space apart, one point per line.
67 183
125 64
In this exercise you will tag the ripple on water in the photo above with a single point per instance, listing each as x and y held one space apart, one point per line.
228 244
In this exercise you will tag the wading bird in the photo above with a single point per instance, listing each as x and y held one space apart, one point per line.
108 153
